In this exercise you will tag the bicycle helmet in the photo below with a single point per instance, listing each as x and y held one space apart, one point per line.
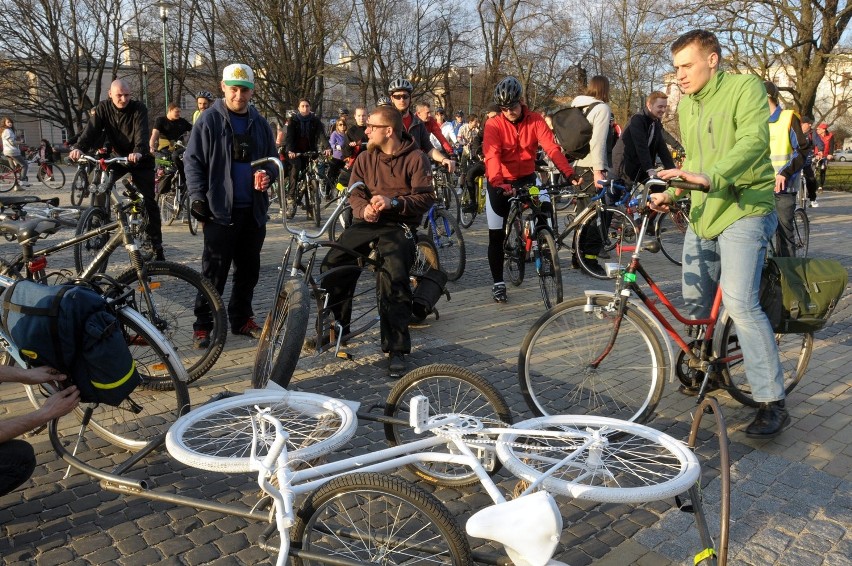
383 101
399 84
508 92
205 94
342 111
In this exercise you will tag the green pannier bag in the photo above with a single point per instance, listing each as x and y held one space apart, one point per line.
799 294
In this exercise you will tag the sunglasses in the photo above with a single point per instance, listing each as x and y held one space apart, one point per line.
401 96
507 108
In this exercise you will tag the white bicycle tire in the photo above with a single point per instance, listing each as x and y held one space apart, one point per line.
218 436
671 467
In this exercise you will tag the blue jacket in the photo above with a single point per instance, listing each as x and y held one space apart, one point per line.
207 161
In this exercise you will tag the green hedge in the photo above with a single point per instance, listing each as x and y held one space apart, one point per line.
838 178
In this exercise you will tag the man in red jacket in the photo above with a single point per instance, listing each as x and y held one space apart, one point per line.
397 192
510 142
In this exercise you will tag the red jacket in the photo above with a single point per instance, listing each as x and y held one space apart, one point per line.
510 149
435 130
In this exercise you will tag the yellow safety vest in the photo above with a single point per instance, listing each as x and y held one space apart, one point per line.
780 147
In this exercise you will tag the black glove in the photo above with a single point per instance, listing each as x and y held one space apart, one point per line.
200 210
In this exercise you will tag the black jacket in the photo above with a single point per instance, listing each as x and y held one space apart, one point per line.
305 133
418 132
355 134
125 129
637 149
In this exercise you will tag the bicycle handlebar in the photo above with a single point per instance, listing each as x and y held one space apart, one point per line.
104 162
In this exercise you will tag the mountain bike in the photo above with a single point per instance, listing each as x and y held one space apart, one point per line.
529 235
172 196
609 354
443 231
309 189
466 218
445 184
87 178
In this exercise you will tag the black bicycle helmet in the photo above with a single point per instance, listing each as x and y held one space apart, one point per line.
205 94
508 92
383 101
399 84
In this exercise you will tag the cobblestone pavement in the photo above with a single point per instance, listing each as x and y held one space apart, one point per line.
791 498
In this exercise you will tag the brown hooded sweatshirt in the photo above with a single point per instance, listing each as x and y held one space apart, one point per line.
405 175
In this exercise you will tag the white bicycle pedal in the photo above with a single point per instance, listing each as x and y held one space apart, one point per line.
419 415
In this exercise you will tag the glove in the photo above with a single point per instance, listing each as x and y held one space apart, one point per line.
200 210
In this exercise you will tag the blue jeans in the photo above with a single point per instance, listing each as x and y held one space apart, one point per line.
734 259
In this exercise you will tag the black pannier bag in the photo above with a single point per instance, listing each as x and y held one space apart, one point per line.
430 286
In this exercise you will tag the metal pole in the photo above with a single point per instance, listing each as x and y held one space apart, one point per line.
145 84
469 90
164 15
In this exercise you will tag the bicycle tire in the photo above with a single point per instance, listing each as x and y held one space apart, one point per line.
84 252
79 187
365 301
8 178
53 182
291 207
341 222
445 235
514 249
627 462
670 228
175 289
315 202
621 232
363 516
553 363
147 413
801 232
426 258
795 351
450 389
167 208
218 436
546 260
282 336
466 218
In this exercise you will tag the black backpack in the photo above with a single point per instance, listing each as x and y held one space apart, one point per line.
573 130
72 329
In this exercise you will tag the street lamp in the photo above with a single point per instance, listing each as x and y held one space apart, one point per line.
145 84
164 16
469 90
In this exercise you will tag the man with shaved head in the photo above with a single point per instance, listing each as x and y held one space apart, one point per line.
124 123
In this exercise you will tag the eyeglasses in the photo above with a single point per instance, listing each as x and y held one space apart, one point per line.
374 126
507 108
401 96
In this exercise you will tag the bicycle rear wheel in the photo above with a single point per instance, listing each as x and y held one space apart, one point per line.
314 203
368 518
617 231
450 390
671 231
93 218
608 460
8 178
218 436
167 207
795 351
282 336
514 249
52 176
801 232
546 260
175 291
445 234
556 362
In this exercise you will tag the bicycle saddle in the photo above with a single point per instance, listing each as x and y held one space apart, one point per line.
528 528
11 200
29 229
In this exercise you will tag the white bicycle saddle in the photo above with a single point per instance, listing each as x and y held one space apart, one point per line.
528 527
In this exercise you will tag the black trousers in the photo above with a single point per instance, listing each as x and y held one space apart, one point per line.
591 241
785 205
17 462
397 249
810 182
297 169
238 244
475 170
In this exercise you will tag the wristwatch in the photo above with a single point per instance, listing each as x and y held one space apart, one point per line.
395 204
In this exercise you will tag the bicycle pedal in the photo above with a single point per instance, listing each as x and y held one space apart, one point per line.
344 355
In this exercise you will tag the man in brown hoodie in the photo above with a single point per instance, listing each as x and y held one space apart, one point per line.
387 210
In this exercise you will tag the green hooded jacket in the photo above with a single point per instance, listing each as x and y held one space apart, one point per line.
724 128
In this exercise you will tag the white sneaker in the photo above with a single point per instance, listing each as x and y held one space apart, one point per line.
814 204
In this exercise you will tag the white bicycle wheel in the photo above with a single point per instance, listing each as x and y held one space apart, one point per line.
605 460
218 436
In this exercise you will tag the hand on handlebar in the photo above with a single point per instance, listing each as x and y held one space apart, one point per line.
75 154
508 190
698 179
660 202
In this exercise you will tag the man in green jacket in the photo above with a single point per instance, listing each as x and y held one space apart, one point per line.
726 136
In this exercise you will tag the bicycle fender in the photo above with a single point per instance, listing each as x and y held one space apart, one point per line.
661 331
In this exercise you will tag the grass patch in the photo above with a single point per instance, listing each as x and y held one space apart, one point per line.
838 178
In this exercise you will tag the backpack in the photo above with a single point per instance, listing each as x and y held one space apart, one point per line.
72 329
430 286
573 130
799 294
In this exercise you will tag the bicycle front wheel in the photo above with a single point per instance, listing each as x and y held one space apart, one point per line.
610 230
147 413
369 517
85 252
176 291
445 234
52 177
79 187
218 436
547 265
671 231
565 368
795 352
167 208
599 459
8 178
315 200
450 389
801 232
282 336
514 249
